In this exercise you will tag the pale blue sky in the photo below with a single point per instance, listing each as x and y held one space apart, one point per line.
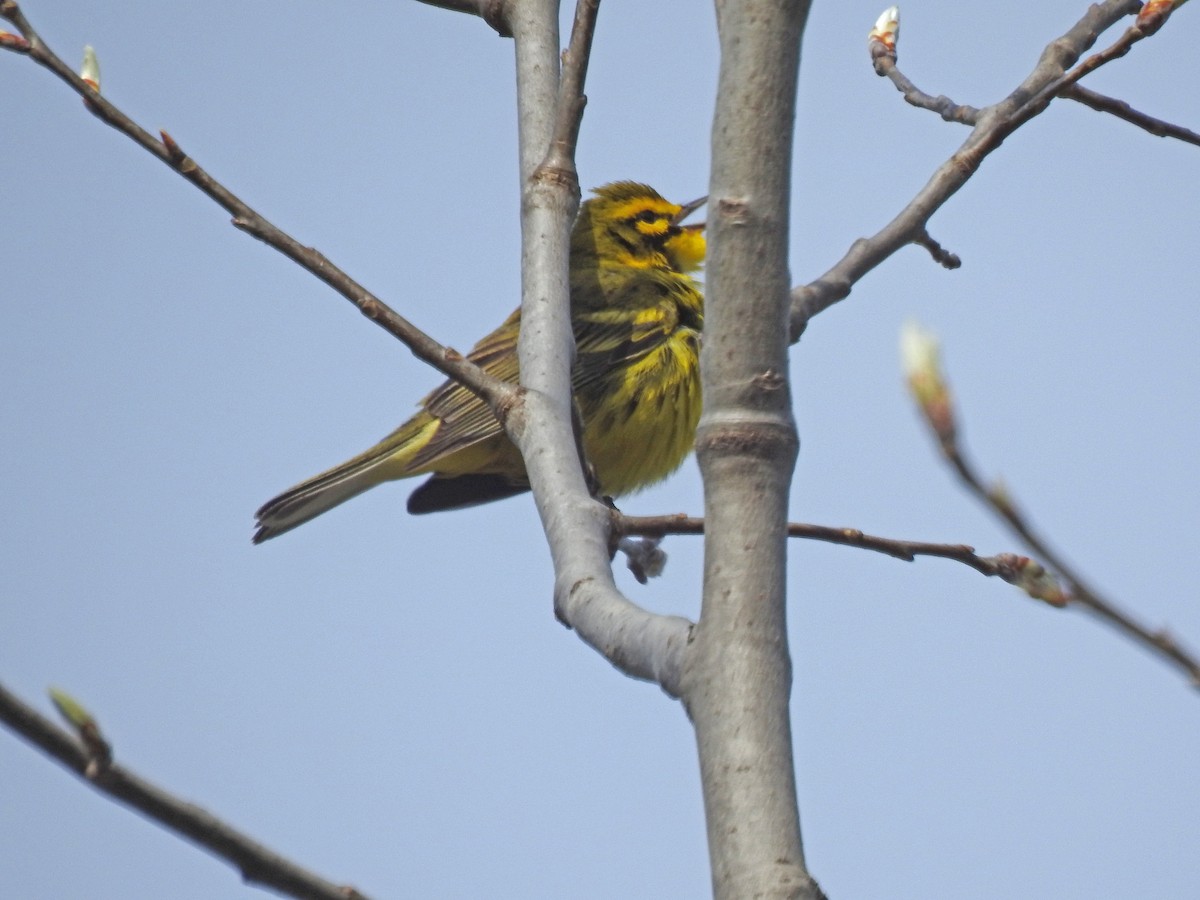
389 699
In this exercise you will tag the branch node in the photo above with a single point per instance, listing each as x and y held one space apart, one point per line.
733 212
940 255
87 729
495 13
551 173
174 153
14 42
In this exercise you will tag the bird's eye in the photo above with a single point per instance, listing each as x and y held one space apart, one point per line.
648 216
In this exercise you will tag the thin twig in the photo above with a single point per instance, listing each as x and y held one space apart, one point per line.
258 864
1009 567
499 395
941 255
931 389
992 125
1042 98
883 58
1079 591
571 99
657 526
1122 110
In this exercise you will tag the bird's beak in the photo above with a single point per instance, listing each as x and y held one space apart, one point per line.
687 209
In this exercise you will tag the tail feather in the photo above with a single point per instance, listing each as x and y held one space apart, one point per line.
388 459
317 495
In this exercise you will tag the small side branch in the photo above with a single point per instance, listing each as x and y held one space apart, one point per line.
1052 76
941 104
258 864
1001 566
881 44
494 12
1122 110
571 99
940 254
998 500
931 390
500 395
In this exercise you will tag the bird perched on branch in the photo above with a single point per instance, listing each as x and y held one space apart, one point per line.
637 315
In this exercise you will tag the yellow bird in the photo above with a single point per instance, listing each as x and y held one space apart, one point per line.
637 315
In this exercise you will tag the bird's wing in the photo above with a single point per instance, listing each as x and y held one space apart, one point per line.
465 419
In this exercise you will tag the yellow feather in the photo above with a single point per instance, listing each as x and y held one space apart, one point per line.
637 315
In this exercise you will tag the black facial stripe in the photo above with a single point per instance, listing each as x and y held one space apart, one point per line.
628 245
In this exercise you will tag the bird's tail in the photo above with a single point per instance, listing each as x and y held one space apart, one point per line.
387 460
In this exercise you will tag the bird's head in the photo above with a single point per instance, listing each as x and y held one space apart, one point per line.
631 224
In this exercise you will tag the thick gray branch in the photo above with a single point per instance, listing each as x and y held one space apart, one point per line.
737 674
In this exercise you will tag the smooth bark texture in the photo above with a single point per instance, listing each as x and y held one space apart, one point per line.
639 643
737 678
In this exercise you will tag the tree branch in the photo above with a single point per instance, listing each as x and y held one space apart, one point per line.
499 395
639 643
737 675
1122 110
997 499
931 390
908 551
992 125
257 863
881 44
494 12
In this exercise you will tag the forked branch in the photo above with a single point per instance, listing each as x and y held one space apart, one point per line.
1053 76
